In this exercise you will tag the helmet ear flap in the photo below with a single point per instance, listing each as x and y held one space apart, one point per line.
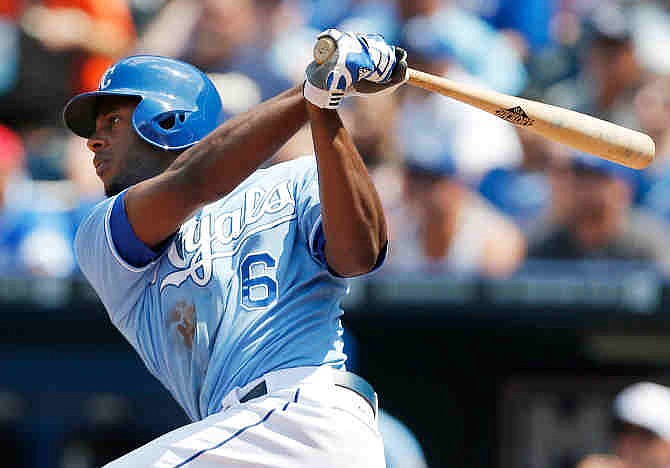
172 121
161 126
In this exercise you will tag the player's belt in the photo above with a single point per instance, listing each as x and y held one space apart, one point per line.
343 379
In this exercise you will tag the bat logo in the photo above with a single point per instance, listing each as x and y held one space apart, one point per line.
515 115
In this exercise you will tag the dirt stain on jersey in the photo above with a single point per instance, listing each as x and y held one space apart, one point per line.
183 314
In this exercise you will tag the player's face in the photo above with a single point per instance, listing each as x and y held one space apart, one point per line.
121 157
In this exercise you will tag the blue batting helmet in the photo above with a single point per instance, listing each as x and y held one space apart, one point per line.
178 105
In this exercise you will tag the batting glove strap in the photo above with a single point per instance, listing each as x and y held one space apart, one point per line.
399 75
382 55
322 98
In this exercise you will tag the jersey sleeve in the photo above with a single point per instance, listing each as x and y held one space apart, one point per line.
308 207
118 283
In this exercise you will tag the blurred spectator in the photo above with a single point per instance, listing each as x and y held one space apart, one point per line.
46 249
144 10
530 24
602 223
641 429
436 27
11 159
651 28
523 191
367 16
324 14
64 47
611 72
223 37
642 425
372 16
35 229
553 70
612 65
9 46
45 147
169 29
561 179
223 34
447 227
652 105
97 31
652 108
14 223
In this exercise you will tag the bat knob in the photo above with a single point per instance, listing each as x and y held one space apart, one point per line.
323 49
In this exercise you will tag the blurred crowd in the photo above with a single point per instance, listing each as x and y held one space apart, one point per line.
640 416
465 192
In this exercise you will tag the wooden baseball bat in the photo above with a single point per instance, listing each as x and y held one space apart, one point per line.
583 132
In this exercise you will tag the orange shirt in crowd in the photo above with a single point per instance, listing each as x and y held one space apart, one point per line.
10 8
114 12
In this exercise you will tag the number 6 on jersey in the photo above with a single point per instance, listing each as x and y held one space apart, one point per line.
259 289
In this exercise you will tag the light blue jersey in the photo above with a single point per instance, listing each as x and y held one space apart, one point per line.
242 289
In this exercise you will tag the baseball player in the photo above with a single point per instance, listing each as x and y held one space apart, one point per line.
227 279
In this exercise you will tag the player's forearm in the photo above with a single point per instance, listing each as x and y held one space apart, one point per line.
353 218
227 156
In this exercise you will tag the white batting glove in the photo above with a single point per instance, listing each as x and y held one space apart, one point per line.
382 56
399 75
358 58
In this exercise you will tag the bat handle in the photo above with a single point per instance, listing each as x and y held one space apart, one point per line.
324 49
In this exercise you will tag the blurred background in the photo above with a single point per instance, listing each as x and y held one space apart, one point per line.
523 317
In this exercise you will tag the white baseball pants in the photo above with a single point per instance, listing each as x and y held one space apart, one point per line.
303 421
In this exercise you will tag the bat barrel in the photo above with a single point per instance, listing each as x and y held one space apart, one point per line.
583 132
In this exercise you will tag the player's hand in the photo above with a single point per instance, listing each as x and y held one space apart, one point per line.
398 76
361 64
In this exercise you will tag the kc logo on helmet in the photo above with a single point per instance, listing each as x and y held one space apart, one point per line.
106 79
